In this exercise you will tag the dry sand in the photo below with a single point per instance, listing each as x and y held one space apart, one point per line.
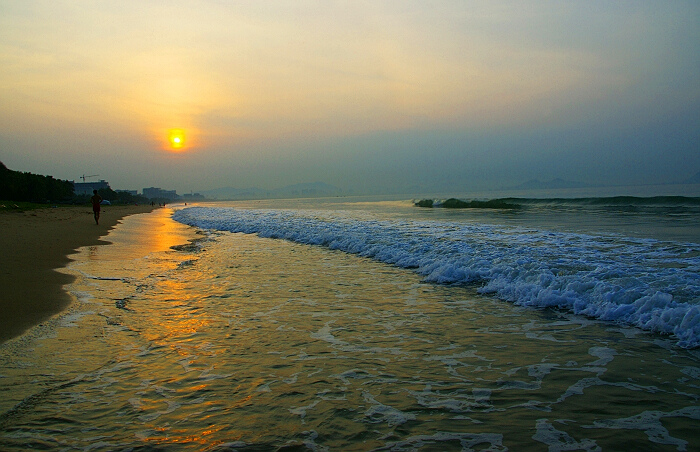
35 243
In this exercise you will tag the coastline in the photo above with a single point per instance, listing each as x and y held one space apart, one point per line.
34 245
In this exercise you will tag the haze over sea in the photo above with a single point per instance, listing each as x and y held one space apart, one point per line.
567 323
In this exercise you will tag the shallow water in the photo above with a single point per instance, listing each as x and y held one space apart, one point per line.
649 282
236 342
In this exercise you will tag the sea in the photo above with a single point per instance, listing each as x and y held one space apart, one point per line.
558 322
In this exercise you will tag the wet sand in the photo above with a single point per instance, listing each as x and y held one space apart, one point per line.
34 244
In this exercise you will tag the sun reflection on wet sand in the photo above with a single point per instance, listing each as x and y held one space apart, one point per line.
144 234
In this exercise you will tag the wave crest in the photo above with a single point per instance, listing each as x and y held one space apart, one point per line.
642 282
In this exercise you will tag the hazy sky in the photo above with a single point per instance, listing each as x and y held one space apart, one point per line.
381 95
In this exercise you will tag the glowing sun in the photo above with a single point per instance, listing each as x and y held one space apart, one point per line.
176 137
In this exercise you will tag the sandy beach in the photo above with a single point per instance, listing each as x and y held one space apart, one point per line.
34 244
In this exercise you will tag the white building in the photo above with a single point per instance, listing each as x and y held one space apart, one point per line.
86 188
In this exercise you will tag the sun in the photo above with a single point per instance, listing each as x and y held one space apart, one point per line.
176 137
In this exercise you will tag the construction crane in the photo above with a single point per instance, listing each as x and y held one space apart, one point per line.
84 176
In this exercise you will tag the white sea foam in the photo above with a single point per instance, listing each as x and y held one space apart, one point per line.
650 423
557 440
646 283
467 441
380 413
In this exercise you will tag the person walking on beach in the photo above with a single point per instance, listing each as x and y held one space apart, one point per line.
96 200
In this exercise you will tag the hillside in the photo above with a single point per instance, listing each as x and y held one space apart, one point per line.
305 190
19 186
693 179
553 184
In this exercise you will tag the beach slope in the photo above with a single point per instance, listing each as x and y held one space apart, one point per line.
34 244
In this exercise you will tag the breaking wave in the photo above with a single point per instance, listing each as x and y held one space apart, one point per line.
647 283
655 204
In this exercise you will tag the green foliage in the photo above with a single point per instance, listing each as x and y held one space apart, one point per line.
114 197
23 191
20 206
19 186
121 197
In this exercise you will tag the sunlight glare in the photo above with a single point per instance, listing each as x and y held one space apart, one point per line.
176 137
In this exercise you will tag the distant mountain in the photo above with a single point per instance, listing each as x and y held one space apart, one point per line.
553 184
236 193
305 190
311 190
693 180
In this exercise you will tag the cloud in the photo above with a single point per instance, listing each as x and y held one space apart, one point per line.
290 91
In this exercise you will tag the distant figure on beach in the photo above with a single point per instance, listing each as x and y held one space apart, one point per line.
96 200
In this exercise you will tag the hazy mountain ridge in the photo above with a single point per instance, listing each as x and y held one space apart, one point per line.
558 183
304 190
693 179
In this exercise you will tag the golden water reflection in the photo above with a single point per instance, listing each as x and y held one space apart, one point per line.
148 233
263 343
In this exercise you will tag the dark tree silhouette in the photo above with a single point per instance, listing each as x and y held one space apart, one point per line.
19 186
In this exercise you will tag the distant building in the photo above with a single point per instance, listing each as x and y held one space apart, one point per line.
86 188
155 192
192 197
131 192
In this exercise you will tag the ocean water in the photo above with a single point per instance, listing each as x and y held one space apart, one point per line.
352 325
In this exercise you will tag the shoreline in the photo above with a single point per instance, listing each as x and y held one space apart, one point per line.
35 244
